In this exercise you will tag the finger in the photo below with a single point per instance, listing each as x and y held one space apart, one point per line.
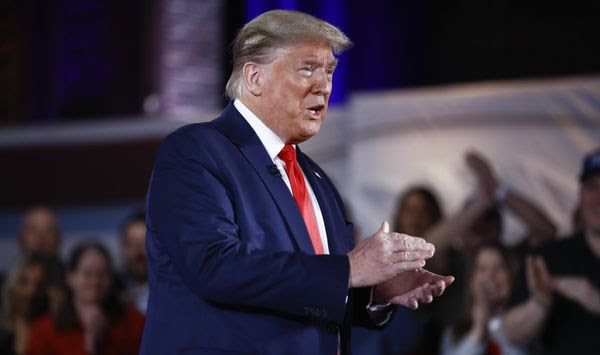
559 284
426 298
413 303
385 228
406 255
542 268
408 301
542 276
529 267
426 293
567 285
441 285
404 266
532 272
439 288
565 288
402 242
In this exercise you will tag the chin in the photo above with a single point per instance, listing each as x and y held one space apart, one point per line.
313 129
309 136
302 137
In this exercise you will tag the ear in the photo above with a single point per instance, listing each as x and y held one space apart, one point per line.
252 74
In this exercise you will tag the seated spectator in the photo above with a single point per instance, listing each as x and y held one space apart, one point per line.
479 332
135 276
91 319
40 232
24 300
40 236
417 211
557 304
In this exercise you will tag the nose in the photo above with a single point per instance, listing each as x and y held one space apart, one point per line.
322 83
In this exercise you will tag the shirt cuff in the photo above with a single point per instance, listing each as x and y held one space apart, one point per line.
379 313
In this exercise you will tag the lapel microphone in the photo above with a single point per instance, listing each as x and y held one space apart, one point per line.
274 170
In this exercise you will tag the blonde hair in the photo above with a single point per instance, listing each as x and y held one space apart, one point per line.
275 29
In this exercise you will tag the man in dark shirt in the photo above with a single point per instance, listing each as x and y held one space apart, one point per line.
560 304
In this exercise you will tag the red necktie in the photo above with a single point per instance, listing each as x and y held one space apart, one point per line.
288 155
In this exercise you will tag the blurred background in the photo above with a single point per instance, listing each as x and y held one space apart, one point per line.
90 88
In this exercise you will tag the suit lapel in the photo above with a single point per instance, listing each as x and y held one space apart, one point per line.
325 200
233 125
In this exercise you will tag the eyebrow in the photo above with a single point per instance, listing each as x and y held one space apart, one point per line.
331 64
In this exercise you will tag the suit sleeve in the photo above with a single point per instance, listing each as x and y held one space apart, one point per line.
191 215
364 315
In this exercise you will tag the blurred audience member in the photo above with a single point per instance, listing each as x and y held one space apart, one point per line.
40 232
479 332
40 236
479 222
135 276
416 212
91 319
559 304
24 300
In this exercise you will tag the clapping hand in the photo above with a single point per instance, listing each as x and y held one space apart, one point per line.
579 290
393 263
539 281
411 288
384 255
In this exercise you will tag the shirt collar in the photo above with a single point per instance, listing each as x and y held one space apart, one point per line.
273 144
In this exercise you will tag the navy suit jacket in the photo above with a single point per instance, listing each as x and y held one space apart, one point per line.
231 266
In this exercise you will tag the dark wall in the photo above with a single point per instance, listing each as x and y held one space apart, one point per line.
76 174
481 40
73 59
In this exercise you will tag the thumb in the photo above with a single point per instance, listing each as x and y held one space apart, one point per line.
385 228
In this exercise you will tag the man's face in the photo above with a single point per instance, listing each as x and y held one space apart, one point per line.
40 233
589 195
296 89
134 250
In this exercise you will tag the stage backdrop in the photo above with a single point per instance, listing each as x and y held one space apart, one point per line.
534 133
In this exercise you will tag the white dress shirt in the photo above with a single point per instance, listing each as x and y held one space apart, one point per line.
273 144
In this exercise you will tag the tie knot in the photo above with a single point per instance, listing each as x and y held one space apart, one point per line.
288 153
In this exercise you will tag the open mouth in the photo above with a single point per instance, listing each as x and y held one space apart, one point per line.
316 109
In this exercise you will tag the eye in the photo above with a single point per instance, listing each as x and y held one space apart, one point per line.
307 70
330 71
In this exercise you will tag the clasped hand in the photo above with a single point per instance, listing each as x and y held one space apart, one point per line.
393 263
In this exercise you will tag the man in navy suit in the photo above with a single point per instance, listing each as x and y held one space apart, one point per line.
248 246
